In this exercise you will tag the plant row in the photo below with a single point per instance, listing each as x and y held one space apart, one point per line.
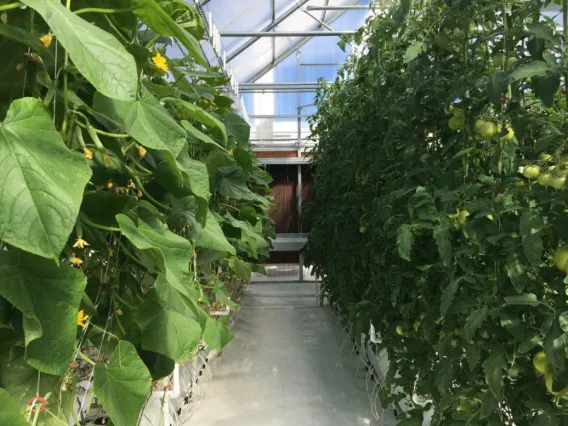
439 217
130 204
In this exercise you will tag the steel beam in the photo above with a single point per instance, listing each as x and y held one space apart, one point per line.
293 49
269 27
286 33
338 7
203 2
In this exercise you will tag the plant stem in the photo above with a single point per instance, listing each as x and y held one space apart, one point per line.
102 10
565 30
96 225
65 86
102 132
83 356
11 6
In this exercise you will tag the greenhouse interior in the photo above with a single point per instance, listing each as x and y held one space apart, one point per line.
284 212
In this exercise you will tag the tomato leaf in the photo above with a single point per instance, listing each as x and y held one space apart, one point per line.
413 51
123 385
404 242
563 321
474 321
496 85
41 181
529 70
98 55
493 368
443 239
529 299
448 296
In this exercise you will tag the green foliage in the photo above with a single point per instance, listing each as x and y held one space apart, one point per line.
422 220
130 203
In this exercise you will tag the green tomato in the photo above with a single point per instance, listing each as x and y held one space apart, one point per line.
399 330
424 158
561 258
456 123
488 130
478 125
459 33
545 157
541 364
549 386
531 172
362 229
510 134
498 61
462 216
511 62
545 179
458 112
559 182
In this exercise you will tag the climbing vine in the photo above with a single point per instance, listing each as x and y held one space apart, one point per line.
129 201
440 207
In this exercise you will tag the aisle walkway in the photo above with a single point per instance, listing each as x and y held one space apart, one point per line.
284 367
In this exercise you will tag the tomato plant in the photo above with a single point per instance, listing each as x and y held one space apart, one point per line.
130 201
439 141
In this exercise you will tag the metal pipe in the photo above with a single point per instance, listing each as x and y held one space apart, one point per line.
321 64
286 34
293 48
203 2
269 27
275 117
338 7
279 85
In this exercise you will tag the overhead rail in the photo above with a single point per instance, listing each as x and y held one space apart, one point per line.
338 7
286 33
269 27
279 87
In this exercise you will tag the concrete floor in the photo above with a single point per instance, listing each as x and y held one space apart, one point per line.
285 367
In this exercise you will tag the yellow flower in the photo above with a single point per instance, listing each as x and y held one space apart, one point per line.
109 184
120 190
88 153
131 185
160 62
107 159
80 243
46 40
75 261
19 67
139 193
141 151
82 319
4 18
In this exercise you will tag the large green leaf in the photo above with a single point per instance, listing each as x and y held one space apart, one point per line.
158 19
413 51
123 385
240 268
98 55
10 411
198 134
41 181
448 296
196 175
231 182
251 236
185 16
212 237
21 381
171 252
238 127
167 332
216 334
201 116
48 297
146 120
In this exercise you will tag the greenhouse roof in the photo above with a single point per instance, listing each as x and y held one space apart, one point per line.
251 58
